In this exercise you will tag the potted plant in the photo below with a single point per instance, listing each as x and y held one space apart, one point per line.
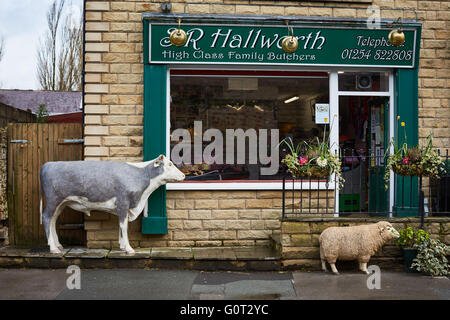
313 159
413 161
407 240
431 258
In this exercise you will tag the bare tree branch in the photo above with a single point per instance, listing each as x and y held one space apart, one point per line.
59 57
2 47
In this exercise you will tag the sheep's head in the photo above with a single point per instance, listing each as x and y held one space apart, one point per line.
387 231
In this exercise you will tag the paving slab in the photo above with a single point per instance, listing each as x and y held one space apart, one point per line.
172 253
214 254
140 253
36 284
45 253
132 284
247 290
11 251
82 253
353 286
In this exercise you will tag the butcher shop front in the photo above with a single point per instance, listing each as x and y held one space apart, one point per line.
221 101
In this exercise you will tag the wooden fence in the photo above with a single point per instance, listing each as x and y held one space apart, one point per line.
30 145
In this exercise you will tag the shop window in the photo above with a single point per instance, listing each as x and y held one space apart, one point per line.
266 106
364 81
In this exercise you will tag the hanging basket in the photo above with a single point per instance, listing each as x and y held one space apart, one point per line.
311 172
408 169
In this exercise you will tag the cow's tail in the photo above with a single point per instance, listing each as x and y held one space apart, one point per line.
40 200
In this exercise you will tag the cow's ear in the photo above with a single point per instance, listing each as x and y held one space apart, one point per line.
161 157
157 163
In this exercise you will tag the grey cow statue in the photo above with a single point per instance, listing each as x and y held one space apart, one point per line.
120 188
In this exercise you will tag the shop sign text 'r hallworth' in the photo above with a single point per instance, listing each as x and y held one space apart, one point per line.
237 44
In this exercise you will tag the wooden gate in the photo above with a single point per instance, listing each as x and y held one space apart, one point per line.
30 145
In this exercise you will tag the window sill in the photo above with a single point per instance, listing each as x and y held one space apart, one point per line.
250 185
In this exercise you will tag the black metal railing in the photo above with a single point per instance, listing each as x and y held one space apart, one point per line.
364 191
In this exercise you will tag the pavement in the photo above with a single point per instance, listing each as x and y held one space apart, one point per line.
154 284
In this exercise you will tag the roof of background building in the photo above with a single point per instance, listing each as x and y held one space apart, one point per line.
56 102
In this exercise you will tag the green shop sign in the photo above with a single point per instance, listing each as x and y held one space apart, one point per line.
318 46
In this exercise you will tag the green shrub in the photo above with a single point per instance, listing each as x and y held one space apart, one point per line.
409 237
431 258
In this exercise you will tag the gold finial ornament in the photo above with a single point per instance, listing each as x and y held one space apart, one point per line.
290 43
396 37
178 37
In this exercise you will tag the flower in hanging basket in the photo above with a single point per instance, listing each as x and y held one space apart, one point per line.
413 161
312 159
322 162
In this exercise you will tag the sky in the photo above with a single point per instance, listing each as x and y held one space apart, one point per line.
22 24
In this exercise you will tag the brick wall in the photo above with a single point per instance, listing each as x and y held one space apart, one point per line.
300 240
114 110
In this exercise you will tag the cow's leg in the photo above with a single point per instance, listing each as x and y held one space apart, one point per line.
59 247
123 223
121 244
47 220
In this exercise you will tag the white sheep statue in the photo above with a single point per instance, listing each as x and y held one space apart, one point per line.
354 243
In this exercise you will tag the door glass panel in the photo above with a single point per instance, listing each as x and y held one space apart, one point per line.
364 81
363 139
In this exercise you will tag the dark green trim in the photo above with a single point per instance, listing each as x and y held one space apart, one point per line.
407 92
155 79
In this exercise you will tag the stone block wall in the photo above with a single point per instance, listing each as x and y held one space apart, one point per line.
114 100
299 240
3 175
200 218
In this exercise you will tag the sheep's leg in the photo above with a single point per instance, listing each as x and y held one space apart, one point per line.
324 265
363 267
322 259
333 268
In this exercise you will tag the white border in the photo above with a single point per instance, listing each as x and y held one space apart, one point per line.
334 94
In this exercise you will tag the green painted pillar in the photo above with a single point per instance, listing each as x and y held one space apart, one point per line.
406 197
155 80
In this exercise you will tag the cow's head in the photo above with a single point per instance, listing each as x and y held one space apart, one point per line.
169 172
387 231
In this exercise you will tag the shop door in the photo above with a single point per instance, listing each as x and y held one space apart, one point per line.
363 139
378 142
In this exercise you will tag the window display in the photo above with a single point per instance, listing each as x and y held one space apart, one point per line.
227 125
